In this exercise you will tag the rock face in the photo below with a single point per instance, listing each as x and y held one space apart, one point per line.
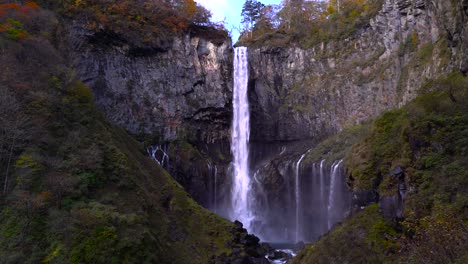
246 249
178 95
180 92
298 94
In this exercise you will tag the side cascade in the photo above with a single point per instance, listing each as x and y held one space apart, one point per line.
241 188
333 193
314 197
298 199
159 154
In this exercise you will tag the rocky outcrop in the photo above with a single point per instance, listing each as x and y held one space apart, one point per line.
246 249
298 94
177 92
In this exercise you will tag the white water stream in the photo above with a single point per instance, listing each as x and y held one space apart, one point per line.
298 198
241 208
332 193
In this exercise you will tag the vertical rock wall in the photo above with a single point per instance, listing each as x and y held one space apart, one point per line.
298 94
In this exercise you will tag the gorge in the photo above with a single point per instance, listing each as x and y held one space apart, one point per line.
139 133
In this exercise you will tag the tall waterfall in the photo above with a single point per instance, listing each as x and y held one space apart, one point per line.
241 208
298 198
215 201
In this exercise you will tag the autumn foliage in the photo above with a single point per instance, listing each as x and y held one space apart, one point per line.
15 17
144 19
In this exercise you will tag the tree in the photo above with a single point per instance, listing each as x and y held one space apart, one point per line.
251 12
336 5
266 21
11 132
201 16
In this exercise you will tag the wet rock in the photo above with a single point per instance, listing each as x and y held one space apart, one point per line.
299 246
277 254
392 207
365 197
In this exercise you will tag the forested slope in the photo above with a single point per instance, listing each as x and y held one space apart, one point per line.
76 189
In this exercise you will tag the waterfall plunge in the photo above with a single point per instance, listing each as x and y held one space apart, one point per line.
241 208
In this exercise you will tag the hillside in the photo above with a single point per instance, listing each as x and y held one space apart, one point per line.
409 177
75 188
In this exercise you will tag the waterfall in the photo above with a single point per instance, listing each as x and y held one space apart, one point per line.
298 196
332 193
215 189
322 182
239 141
159 154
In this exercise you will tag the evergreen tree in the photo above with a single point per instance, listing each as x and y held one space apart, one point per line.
251 12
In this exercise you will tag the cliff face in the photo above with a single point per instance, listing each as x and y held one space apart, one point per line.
301 96
178 92
178 95
298 94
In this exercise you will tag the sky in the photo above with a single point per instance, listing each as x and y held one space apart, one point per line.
229 11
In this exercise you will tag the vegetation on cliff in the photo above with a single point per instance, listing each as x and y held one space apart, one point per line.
308 22
427 141
76 189
143 23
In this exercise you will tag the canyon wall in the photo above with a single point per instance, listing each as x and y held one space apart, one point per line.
298 94
182 90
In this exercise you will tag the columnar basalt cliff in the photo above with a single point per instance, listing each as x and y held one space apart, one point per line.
178 91
301 93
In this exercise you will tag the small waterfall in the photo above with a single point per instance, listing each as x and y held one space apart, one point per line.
240 133
333 190
159 154
298 197
323 197
215 209
322 182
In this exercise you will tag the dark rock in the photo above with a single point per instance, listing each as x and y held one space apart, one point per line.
464 67
181 91
239 226
365 197
267 247
397 171
392 207
279 255
299 246
465 7
246 248
251 240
